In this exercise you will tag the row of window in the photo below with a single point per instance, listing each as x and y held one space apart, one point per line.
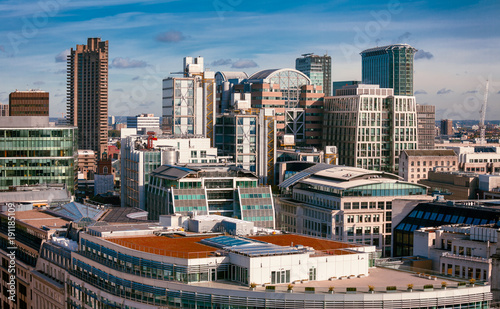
363 218
363 230
256 207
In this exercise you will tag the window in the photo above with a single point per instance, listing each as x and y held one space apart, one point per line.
194 154
312 273
203 154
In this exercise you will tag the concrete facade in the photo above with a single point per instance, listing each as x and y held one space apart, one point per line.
370 126
87 94
326 203
457 185
426 118
415 165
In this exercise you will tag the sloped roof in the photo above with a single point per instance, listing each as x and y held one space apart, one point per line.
172 172
77 212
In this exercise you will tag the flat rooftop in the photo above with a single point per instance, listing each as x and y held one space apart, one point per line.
183 247
192 246
294 240
378 277
38 219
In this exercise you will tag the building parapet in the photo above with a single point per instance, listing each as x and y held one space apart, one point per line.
466 258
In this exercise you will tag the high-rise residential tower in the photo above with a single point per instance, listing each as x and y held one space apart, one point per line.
446 127
318 69
87 94
389 67
29 103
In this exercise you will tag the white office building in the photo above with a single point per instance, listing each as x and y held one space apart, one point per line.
370 126
144 121
142 154
344 203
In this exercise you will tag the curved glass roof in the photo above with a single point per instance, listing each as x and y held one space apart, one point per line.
226 76
289 81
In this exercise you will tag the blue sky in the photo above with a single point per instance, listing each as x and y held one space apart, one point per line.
458 43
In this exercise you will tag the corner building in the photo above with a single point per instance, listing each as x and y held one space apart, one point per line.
344 204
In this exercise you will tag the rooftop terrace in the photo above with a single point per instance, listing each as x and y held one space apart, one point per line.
194 247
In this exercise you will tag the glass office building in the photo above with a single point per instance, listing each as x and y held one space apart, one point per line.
389 67
31 153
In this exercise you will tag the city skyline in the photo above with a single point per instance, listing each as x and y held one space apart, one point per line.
456 43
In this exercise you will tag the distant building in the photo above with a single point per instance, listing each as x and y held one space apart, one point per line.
87 106
426 121
209 189
447 127
416 164
144 121
103 178
389 67
32 152
455 185
120 126
343 203
318 69
29 103
370 126
489 186
339 84
4 110
86 163
478 159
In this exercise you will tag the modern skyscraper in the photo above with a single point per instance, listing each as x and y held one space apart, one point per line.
426 115
29 103
88 94
370 126
389 67
318 69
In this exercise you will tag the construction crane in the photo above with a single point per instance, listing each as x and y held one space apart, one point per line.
482 127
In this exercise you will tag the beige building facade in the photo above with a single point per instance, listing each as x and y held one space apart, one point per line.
416 164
